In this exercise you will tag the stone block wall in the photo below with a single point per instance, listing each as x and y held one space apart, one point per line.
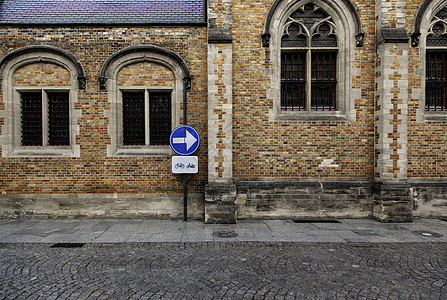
301 198
386 159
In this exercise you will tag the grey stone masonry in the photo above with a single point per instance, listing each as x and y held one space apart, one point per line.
282 198
392 201
220 192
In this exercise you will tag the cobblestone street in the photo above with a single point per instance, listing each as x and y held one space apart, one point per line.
225 270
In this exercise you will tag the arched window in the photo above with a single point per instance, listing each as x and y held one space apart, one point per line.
430 34
145 86
312 46
40 85
436 63
309 61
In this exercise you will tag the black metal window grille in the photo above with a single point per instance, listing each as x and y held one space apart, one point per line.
45 118
58 119
146 122
293 82
134 132
324 81
436 81
308 61
160 117
32 121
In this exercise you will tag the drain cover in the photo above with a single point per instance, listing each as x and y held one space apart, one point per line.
67 245
426 233
225 234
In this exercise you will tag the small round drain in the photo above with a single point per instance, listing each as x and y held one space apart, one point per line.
225 234
426 233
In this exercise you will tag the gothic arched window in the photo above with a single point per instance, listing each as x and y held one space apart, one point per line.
312 48
309 60
436 63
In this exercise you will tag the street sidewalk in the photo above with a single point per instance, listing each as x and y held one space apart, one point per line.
132 231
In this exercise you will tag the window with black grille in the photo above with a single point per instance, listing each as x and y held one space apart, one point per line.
134 124
436 64
308 61
160 118
146 118
436 79
45 118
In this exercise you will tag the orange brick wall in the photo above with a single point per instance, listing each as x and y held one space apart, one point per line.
427 141
42 74
264 148
261 147
93 171
146 74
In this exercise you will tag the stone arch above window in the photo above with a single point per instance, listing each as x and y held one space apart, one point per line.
280 5
148 83
50 54
144 53
426 18
40 88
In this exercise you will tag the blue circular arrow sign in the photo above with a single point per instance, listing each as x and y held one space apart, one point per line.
184 140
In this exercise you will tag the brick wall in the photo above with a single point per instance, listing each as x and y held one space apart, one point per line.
264 148
145 74
42 74
280 168
93 172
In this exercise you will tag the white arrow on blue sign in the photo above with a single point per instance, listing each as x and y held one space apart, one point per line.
184 140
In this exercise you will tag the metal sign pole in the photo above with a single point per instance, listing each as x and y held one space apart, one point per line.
185 176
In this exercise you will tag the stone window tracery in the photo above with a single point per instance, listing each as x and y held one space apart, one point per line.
308 61
312 45
436 63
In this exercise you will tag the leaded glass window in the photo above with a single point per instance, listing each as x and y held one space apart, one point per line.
309 50
58 119
160 118
45 118
436 64
146 117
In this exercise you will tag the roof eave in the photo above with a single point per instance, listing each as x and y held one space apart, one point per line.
98 24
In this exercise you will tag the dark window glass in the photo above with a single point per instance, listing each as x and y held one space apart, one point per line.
133 118
324 81
324 37
294 38
309 14
308 71
160 117
31 108
435 85
437 36
58 119
293 81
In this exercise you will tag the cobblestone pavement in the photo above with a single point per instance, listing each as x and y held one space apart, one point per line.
225 270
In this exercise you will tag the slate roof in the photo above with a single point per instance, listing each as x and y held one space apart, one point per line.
101 11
